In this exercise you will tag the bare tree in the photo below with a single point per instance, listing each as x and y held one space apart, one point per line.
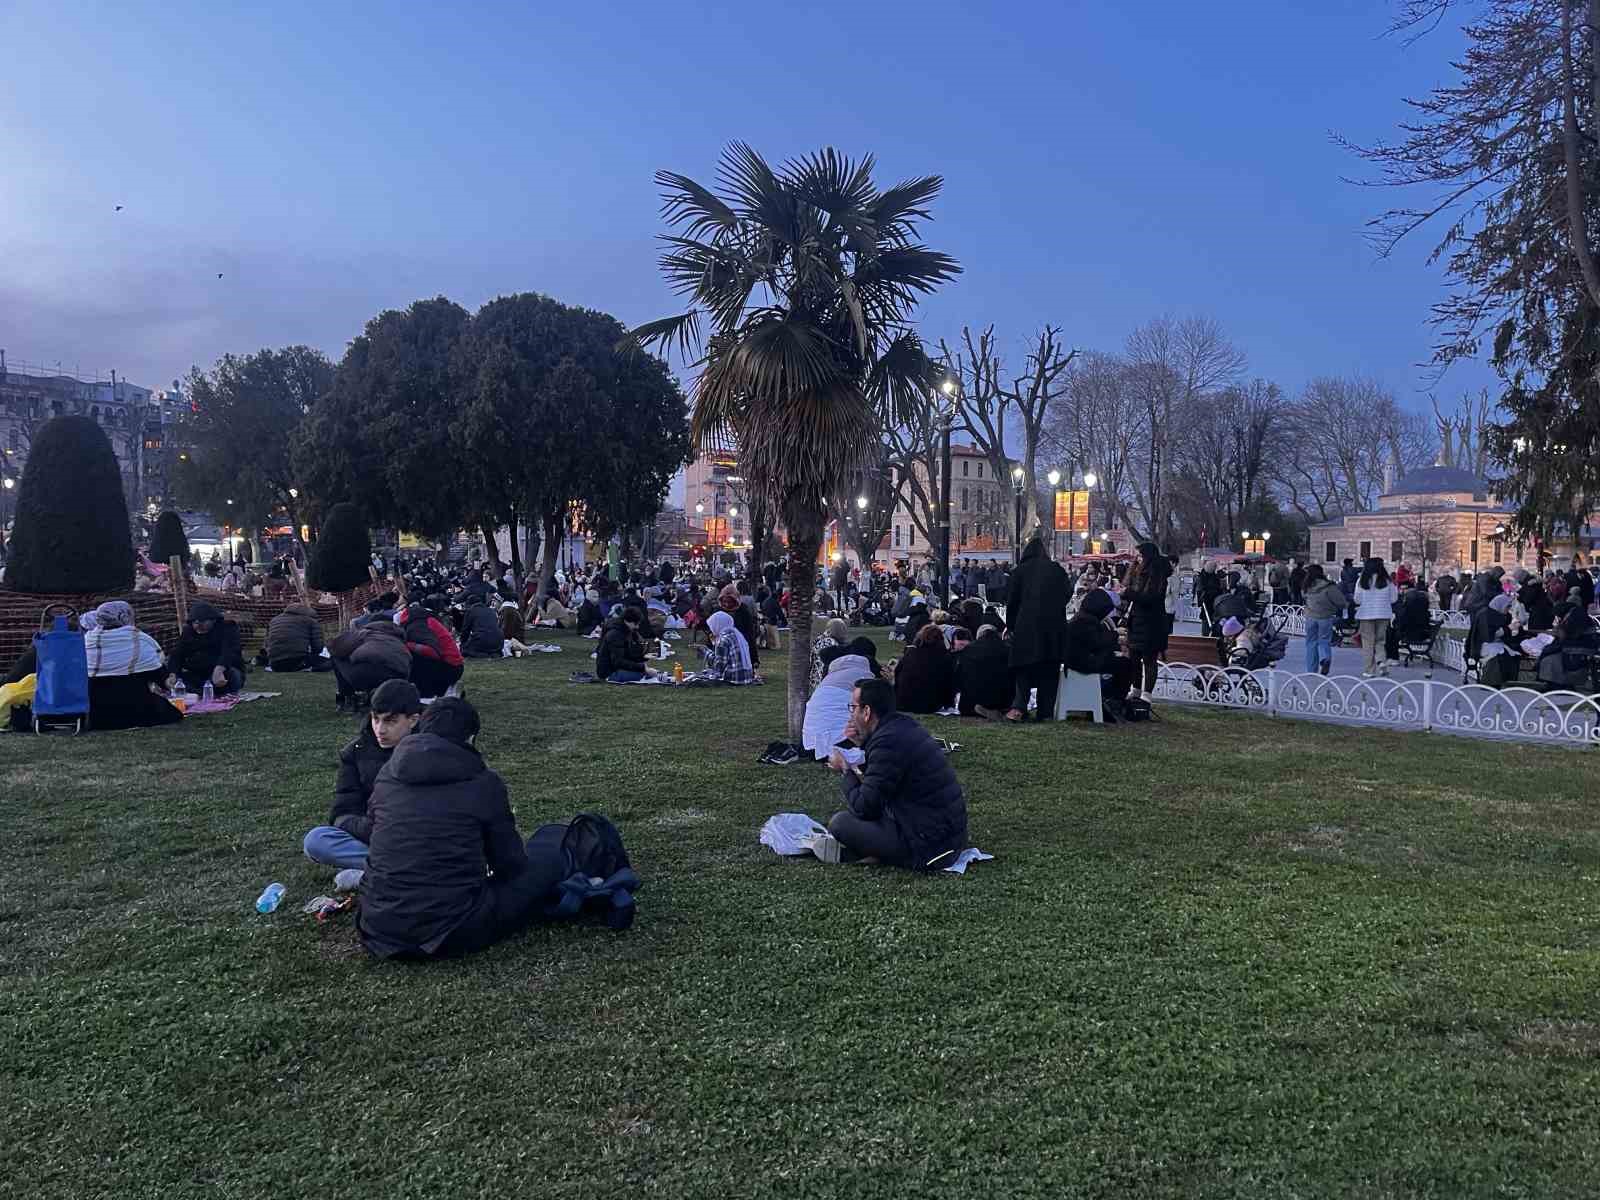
1093 431
1174 364
1223 459
1031 395
1422 529
1345 436
985 403
911 452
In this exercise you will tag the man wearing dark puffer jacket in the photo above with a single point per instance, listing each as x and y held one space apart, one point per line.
904 803
441 823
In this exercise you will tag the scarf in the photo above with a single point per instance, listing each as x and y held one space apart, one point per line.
721 626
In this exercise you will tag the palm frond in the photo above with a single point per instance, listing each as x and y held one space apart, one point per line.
758 194
830 182
907 270
685 202
901 378
896 211
683 329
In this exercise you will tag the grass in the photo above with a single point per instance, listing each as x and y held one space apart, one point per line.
1220 955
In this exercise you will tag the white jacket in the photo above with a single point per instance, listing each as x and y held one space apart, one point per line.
1375 604
828 710
121 651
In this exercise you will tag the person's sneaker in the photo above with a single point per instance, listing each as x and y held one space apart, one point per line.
784 757
348 880
456 691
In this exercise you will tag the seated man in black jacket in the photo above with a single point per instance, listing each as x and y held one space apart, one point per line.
342 842
480 630
903 803
1091 647
208 651
620 655
447 872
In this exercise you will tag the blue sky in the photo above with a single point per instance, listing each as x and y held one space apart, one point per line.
1105 163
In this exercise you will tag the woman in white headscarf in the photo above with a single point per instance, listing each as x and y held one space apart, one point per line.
728 656
126 668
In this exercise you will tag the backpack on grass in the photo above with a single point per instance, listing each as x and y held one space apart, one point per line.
597 875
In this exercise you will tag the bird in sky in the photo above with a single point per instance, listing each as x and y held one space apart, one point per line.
119 208
219 274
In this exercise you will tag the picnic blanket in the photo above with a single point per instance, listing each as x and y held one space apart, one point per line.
222 704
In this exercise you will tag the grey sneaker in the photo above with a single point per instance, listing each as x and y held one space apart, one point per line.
348 880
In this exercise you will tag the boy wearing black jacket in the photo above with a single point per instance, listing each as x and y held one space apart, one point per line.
342 842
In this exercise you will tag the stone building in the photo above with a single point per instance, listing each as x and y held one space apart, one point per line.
981 514
1433 518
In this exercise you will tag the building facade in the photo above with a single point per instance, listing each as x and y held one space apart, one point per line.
1435 518
982 513
138 422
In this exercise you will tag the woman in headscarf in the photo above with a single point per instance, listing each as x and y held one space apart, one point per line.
1144 601
925 680
125 671
728 656
836 633
730 602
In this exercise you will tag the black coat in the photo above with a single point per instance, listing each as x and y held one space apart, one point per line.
907 779
1147 618
620 650
480 633
925 680
359 763
441 822
1091 645
983 675
745 622
202 653
1036 608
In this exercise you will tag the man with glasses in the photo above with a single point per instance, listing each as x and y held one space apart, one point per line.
903 803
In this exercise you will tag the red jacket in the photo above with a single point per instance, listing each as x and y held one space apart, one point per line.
428 636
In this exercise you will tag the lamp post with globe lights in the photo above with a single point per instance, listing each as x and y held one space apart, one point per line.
1054 478
951 389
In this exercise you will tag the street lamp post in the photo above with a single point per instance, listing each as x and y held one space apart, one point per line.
1018 477
952 393
1055 478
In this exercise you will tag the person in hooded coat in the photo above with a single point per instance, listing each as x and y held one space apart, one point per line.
447 872
208 651
1036 614
1091 649
1144 602
828 708
366 656
983 676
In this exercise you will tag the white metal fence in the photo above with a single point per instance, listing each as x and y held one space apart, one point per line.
1521 714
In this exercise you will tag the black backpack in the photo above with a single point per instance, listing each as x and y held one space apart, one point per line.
598 874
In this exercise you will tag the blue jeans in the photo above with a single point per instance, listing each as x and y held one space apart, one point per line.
333 847
624 677
1319 642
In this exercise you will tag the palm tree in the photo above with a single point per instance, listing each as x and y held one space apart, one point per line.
801 284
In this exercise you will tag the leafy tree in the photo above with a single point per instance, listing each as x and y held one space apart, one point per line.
71 530
342 557
1509 150
381 436
241 432
559 412
169 540
807 276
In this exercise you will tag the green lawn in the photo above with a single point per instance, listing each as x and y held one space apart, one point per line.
1220 955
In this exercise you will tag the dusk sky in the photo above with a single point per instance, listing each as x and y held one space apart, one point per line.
1104 164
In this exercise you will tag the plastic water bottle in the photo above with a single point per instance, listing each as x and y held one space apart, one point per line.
207 695
272 897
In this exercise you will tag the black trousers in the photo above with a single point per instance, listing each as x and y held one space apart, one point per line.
878 839
302 662
1046 677
432 677
1114 684
514 903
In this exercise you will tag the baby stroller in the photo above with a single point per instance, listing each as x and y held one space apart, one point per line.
1244 648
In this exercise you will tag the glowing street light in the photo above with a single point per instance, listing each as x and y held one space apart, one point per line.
1090 479
699 510
1245 534
733 510
1054 477
861 503
948 387
10 483
294 493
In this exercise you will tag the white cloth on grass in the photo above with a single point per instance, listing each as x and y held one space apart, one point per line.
790 833
966 858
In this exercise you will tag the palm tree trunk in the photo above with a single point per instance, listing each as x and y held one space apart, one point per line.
802 594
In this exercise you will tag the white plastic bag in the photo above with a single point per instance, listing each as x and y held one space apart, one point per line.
790 833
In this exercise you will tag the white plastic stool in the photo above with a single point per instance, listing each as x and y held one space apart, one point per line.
1079 693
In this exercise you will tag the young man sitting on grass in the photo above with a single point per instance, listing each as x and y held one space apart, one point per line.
447 872
903 802
342 842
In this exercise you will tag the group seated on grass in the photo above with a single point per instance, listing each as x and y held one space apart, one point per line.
424 829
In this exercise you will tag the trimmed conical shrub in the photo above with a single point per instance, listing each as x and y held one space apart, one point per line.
342 556
71 532
169 539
